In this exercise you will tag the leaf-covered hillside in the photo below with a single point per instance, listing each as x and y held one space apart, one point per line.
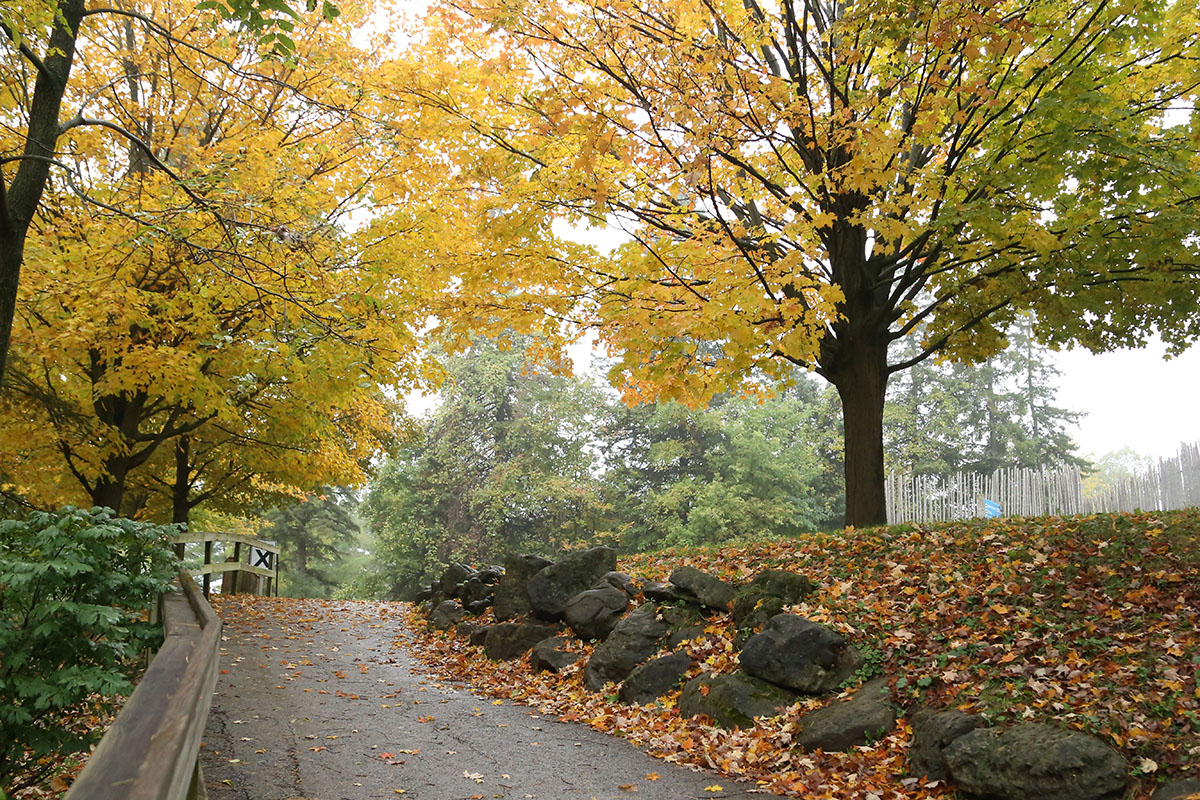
1088 622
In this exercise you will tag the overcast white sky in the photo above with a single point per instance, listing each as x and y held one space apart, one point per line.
1132 398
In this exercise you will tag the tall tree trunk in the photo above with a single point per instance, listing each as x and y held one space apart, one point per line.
301 563
109 491
19 200
12 248
861 382
854 359
181 488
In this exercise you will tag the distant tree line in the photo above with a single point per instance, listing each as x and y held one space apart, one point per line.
518 457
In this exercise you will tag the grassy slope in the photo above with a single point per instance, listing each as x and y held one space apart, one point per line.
1090 622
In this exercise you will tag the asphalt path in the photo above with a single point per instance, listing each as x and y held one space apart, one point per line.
325 702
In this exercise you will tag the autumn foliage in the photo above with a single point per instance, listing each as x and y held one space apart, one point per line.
811 182
1085 622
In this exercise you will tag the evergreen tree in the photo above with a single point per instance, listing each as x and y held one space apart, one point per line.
951 417
315 537
507 463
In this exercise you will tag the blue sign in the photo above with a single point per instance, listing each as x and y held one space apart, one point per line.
991 509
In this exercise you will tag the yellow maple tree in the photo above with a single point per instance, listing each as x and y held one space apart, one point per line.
205 316
806 182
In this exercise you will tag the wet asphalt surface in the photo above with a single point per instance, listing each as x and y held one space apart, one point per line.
325 702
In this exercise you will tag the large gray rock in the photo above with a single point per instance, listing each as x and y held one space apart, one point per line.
623 582
663 592
446 615
732 700
867 716
465 630
1033 761
479 635
490 574
1184 789
511 600
551 588
767 595
473 592
800 654
707 589
683 623
453 577
655 678
592 614
634 639
551 655
932 734
510 640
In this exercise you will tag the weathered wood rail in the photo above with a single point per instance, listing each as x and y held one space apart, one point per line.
246 551
150 751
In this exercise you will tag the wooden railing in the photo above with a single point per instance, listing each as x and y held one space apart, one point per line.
249 557
151 750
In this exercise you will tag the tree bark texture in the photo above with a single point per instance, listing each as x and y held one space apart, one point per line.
853 358
181 488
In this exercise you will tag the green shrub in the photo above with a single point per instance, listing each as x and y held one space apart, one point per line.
75 587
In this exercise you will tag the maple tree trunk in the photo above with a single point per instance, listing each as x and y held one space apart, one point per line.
862 387
109 492
180 508
10 276
854 360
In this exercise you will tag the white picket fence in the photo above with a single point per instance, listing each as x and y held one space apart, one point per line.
1172 483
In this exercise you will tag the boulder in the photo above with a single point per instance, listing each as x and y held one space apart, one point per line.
473 590
680 616
663 592
707 589
634 639
683 622
511 600
865 717
800 654
551 588
1032 761
682 635
623 582
791 586
550 655
446 615
732 700
1184 789
510 640
464 630
755 619
479 635
453 577
490 574
426 593
654 678
932 734
767 595
591 614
